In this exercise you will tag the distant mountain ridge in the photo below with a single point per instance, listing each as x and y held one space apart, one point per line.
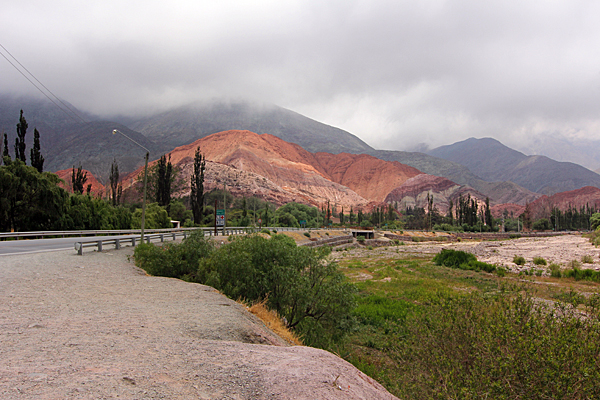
186 124
493 161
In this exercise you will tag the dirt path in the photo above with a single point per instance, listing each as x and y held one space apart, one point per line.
95 327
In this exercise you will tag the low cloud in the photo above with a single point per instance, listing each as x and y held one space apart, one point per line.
398 74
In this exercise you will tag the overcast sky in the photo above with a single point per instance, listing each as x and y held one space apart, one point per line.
395 73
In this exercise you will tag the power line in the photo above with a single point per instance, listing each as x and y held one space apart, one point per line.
68 111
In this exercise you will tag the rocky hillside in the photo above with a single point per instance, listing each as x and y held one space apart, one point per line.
268 167
415 190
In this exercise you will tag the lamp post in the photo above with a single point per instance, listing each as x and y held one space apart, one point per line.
115 131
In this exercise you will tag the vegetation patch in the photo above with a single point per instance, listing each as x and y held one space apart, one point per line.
539 261
519 260
587 259
461 260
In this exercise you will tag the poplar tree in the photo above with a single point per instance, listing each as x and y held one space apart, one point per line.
197 185
37 160
115 188
78 180
5 152
20 139
163 184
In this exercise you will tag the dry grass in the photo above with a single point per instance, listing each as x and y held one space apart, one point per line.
274 322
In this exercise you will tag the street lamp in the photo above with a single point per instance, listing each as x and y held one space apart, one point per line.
115 131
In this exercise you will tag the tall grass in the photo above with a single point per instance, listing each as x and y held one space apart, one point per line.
502 346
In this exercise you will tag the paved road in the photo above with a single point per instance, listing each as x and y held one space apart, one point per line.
12 247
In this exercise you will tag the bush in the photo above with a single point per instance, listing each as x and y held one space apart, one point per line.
453 258
497 347
307 234
514 236
266 231
555 270
175 260
539 261
573 264
583 274
311 293
360 239
501 272
461 260
587 259
519 260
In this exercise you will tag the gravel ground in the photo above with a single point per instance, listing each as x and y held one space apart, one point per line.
97 327
554 249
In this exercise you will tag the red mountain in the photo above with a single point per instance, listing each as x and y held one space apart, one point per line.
66 175
584 197
278 171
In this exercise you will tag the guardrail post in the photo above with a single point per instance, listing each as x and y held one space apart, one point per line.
162 237
132 242
185 234
117 244
174 236
99 245
79 248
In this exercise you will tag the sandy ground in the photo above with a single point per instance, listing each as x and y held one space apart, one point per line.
97 327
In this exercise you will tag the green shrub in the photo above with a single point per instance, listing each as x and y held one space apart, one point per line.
514 236
453 258
360 239
461 260
539 261
266 231
555 270
587 259
497 347
307 234
175 260
311 293
501 272
573 264
519 260
583 274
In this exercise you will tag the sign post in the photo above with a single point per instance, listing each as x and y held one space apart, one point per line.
221 218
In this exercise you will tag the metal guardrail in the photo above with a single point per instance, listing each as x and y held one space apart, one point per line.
82 233
79 246
18 235
172 233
